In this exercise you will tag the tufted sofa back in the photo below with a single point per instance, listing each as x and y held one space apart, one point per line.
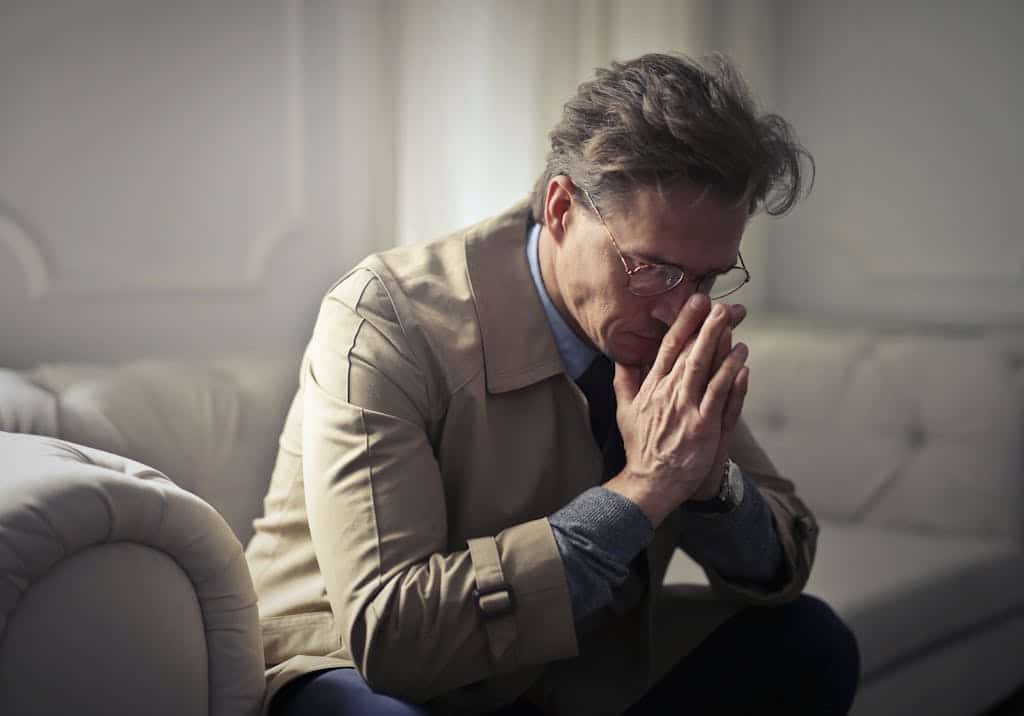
903 429
211 426
911 430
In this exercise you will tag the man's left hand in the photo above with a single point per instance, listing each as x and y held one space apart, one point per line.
712 485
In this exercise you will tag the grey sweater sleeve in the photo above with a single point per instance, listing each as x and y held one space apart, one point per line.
741 545
598 534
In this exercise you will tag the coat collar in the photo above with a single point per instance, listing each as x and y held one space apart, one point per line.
519 349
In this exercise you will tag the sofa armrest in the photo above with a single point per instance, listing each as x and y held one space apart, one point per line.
115 579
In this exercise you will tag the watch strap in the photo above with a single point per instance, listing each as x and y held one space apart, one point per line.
729 496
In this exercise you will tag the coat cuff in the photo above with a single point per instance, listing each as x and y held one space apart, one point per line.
523 597
741 545
798 534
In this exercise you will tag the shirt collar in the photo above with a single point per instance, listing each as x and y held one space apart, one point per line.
576 355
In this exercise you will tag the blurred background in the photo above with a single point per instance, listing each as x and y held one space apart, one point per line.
189 178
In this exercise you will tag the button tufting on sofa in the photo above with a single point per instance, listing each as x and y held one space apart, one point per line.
916 437
774 421
906 446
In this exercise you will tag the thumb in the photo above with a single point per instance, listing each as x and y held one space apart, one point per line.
626 384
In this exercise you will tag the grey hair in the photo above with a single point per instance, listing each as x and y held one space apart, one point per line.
661 119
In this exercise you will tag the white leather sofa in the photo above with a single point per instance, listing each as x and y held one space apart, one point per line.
909 446
121 592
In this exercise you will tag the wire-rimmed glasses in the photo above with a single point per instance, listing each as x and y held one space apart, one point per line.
648 279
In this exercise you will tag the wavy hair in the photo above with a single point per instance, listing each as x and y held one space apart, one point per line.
661 119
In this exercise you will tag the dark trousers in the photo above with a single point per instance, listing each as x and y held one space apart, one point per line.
799 658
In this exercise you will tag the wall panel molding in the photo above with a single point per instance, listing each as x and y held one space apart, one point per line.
47 280
25 250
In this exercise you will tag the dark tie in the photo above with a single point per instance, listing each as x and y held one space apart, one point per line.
596 384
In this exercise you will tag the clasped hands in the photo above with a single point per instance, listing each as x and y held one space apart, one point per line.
677 419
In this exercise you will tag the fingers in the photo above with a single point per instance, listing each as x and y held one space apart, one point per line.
695 310
682 334
736 315
696 369
715 398
737 312
722 349
734 406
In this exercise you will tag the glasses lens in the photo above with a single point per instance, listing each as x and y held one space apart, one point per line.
652 280
723 284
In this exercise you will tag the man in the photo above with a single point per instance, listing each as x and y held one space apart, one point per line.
469 514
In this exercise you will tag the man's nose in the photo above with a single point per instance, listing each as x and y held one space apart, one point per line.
669 304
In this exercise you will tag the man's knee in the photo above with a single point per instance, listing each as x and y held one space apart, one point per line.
820 643
821 630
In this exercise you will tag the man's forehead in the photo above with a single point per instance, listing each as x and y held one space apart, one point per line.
692 262
683 207
687 228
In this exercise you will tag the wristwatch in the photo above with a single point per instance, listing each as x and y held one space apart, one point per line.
729 496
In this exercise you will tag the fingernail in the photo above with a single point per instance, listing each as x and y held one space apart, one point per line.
697 300
718 310
741 350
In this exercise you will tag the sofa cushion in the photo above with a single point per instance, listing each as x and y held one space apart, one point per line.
905 594
972 676
212 426
948 411
797 380
903 430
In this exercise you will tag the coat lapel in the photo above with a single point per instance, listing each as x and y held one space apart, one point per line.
519 349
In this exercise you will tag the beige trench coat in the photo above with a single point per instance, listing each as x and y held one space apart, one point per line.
433 432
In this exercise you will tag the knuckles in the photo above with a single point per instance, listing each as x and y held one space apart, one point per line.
696 363
698 428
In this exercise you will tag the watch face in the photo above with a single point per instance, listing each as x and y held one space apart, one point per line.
735 483
732 486
725 492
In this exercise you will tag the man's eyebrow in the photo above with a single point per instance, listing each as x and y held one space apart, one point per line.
649 259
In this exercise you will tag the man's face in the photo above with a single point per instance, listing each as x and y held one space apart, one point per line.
699 233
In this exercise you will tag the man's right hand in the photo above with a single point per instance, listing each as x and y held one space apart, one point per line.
672 420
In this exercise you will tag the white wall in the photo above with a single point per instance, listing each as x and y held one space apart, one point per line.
189 178
480 84
169 176
913 112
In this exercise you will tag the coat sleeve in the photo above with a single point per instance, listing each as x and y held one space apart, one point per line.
794 523
418 617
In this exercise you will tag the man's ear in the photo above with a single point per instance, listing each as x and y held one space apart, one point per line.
557 206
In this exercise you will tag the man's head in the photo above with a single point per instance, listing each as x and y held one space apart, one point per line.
662 159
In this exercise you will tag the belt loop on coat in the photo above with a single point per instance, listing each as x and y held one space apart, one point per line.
495 601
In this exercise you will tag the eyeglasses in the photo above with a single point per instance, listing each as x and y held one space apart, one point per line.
652 279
